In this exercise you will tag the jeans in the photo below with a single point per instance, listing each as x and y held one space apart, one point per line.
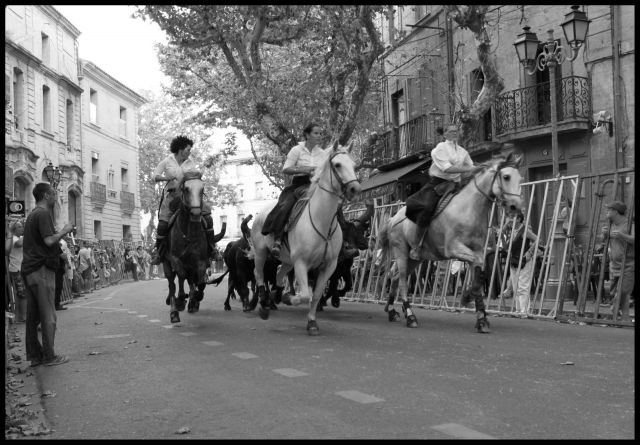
40 290
522 287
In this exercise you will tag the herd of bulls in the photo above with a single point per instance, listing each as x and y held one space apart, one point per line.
238 258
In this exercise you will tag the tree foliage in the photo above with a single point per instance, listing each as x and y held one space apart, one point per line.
270 69
162 119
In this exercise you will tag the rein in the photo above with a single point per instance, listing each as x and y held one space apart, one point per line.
343 186
490 194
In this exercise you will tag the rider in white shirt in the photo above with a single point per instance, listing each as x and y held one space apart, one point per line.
301 162
172 169
449 161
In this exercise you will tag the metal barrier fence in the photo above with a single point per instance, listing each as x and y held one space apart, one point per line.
559 282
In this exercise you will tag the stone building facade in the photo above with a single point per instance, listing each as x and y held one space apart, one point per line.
432 70
47 121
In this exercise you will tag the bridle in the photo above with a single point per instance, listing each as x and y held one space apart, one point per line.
491 197
334 172
184 197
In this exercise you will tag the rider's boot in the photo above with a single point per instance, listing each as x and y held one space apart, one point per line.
161 234
423 223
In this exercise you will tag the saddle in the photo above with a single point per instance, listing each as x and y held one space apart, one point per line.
446 191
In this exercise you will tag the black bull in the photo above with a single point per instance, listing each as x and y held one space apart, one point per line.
354 234
240 267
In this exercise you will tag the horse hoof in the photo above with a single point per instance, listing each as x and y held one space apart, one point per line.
227 307
273 306
168 301
312 327
286 299
393 315
335 302
482 327
296 300
412 321
175 318
264 313
319 308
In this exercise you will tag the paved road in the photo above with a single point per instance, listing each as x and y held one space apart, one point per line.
232 375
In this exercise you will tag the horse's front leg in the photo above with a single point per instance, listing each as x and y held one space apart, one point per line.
182 296
318 291
404 269
171 298
477 275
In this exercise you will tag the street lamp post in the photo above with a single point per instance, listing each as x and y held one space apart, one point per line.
575 27
53 175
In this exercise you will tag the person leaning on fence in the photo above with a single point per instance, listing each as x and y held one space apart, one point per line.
15 262
85 266
60 273
521 283
565 213
131 262
41 256
301 162
172 169
621 249
449 160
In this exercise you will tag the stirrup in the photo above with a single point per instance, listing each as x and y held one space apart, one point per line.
413 254
275 250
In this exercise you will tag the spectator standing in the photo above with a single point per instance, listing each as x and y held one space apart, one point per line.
621 249
565 213
521 282
85 266
41 256
60 271
131 262
15 262
140 260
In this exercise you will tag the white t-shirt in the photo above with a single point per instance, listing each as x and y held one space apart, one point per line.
300 156
169 167
447 154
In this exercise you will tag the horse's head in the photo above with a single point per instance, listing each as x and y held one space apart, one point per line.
342 173
506 183
192 192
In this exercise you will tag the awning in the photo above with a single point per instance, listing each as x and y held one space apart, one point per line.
383 178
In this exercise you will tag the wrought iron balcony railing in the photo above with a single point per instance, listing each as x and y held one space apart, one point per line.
414 136
524 108
98 193
127 202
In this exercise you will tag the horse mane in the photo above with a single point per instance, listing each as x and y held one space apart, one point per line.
189 175
318 173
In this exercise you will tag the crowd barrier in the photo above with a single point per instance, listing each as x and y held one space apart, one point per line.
564 265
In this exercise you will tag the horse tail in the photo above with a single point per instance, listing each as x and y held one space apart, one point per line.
219 279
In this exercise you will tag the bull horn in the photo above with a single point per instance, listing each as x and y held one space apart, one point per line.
350 146
220 235
335 145
244 228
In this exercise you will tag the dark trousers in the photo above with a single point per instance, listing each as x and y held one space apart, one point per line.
277 218
420 205
40 290
59 283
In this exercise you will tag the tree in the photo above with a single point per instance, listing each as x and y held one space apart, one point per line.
473 17
269 69
162 119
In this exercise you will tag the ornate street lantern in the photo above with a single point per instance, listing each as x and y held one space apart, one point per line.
53 175
575 27
527 46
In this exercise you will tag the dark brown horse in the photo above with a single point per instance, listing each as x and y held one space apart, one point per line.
186 254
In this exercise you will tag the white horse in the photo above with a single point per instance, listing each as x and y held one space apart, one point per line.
311 247
459 231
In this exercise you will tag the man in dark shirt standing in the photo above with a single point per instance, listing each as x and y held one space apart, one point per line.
41 256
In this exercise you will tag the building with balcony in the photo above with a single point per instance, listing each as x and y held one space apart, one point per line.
42 107
110 146
431 67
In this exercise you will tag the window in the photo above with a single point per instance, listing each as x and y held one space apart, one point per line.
123 122
111 178
69 123
124 179
93 106
126 233
420 11
46 108
18 94
259 190
45 48
95 177
97 229
241 192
